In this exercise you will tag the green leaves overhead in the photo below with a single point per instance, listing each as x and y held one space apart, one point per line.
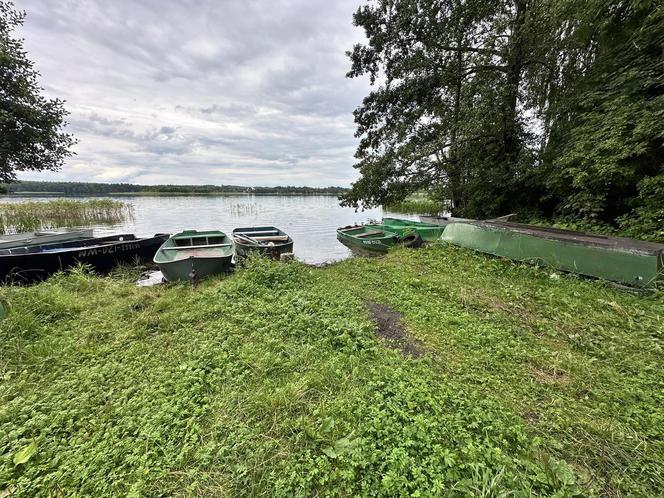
549 106
31 126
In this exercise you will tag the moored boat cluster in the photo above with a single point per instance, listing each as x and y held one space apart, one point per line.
192 255
189 255
627 261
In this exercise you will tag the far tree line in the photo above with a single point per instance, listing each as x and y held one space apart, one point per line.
87 188
548 108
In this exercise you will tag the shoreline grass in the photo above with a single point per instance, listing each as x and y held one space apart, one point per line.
38 215
272 381
418 203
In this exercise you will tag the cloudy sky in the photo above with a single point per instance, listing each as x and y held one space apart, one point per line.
249 92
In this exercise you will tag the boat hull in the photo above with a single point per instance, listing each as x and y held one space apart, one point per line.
28 265
274 252
629 262
191 255
183 270
380 244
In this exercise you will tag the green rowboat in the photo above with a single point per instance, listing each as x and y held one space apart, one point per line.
192 255
429 232
628 261
268 241
367 237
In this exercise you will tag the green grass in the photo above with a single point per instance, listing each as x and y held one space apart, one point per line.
37 215
272 382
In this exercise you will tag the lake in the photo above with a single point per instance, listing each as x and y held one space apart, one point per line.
311 220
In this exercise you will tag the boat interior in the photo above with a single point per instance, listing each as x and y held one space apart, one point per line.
260 235
196 245
365 232
185 241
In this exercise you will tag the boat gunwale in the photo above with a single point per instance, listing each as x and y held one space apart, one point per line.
72 245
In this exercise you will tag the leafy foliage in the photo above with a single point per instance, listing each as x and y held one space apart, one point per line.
550 107
609 137
272 382
31 136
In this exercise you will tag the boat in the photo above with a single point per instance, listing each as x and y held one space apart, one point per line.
368 237
444 220
8 241
268 241
618 259
429 232
34 263
192 255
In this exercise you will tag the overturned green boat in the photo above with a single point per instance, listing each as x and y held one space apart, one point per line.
627 261
193 255
429 232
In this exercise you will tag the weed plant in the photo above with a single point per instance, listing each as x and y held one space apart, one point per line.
37 215
272 382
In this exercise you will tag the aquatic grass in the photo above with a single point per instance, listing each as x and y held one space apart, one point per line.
243 208
273 382
37 215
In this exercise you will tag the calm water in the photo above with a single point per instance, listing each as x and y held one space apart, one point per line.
311 220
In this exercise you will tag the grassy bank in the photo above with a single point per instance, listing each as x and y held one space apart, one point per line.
482 377
37 215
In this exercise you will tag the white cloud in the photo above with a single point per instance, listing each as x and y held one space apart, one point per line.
245 92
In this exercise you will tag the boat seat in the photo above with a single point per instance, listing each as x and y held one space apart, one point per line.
367 234
177 248
276 238
258 232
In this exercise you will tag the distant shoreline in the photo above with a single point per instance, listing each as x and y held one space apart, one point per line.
164 194
82 189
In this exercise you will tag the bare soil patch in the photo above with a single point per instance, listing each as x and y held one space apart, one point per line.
552 376
390 328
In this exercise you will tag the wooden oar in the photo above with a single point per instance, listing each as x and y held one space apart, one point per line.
259 232
276 238
246 238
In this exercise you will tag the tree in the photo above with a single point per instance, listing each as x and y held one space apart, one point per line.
605 156
31 126
448 111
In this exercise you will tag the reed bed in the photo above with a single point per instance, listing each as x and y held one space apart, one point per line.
40 215
243 208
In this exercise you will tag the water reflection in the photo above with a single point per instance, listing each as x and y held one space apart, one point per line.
311 220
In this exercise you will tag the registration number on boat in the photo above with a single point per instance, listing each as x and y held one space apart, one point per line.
108 250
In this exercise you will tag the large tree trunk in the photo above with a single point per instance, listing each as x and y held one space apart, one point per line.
515 59
455 168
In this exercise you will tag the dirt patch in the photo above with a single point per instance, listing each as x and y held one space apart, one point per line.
390 328
552 376
531 417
